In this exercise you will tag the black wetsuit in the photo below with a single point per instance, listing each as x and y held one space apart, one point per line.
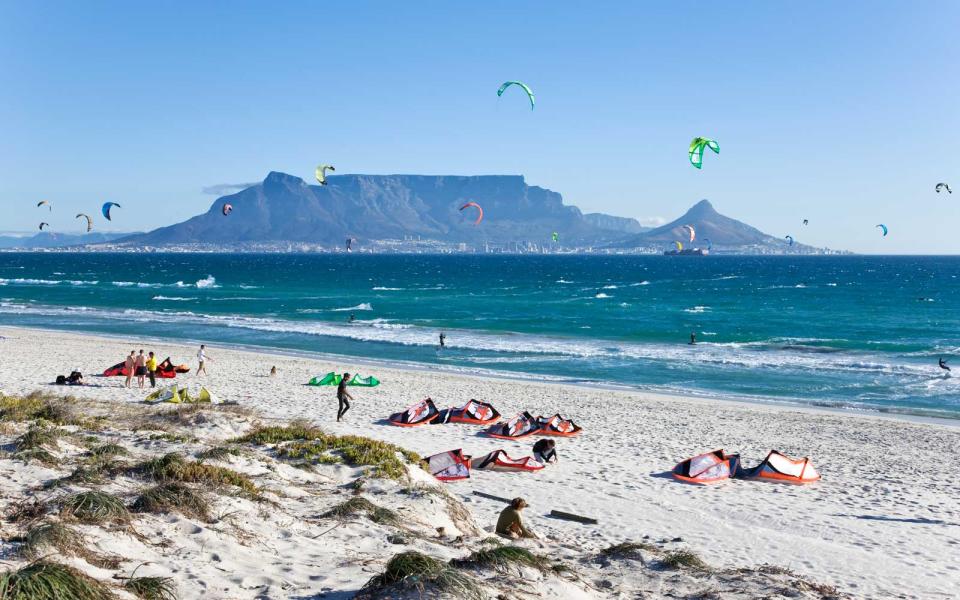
543 452
443 339
342 396
693 339
943 365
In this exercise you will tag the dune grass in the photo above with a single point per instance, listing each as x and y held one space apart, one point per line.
95 508
174 467
683 559
40 435
39 406
361 506
45 580
221 453
48 538
416 572
109 450
502 558
626 550
151 588
303 441
173 496
25 511
37 454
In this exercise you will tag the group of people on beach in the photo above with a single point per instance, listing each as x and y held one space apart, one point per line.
140 366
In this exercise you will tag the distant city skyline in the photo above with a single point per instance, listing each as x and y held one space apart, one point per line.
840 113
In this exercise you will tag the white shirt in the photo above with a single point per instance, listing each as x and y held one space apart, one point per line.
202 356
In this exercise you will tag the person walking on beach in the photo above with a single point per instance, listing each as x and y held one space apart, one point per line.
342 396
510 523
152 369
140 367
128 366
202 358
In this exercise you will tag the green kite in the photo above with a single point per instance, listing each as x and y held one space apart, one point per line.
696 150
525 87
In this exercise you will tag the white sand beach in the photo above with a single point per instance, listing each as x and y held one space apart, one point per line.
883 522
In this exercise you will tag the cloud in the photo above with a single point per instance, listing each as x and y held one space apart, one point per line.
222 189
652 221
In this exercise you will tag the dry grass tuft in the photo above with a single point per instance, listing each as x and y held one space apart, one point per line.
45 580
173 496
683 559
174 467
25 511
502 558
151 588
361 506
40 406
413 572
45 538
95 508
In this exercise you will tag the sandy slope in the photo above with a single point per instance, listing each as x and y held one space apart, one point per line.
885 519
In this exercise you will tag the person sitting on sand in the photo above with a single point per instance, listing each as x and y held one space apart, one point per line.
273 371
545 451
510 523
76 378
128 366
343 395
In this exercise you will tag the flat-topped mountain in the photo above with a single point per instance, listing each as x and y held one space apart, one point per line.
378 207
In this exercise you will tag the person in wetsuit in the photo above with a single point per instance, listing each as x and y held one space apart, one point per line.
545 451
510 523
693 338
343 395
352 318
943 364
443 339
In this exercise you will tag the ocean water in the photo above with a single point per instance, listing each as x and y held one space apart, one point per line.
851 332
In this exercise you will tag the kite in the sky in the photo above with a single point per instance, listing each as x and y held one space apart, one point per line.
709 243
50 206
884 228
227 209
696 150
555 236
943 186
691 231
89 221
479 211
42 224
679 246
806 222
321 173
525 87
106 209
789 239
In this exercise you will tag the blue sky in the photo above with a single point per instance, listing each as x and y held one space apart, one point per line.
845 113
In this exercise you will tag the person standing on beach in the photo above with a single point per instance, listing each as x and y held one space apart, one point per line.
342 396
128 367
202 359
152 369
140 367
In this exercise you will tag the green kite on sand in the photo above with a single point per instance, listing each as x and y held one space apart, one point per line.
696 150
332 378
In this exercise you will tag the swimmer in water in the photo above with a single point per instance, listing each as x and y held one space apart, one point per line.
943 364
693 338
352 318
443 340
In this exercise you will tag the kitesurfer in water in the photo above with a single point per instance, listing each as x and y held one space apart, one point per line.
943 364
443 340
352 318
693 338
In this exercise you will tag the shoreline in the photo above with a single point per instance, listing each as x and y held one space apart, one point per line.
519 376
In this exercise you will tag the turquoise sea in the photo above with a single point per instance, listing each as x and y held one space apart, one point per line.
850 332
